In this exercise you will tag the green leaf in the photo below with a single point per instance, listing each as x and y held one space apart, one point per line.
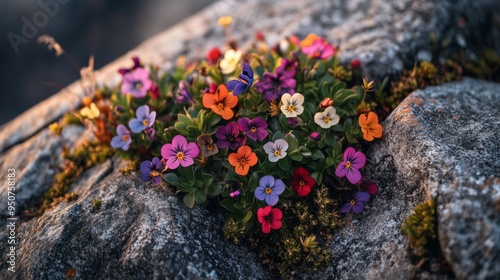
229 204
200 197
296 155
186 172
293 144
171 178
189 199
247 217
285 163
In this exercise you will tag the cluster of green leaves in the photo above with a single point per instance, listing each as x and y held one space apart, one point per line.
421 229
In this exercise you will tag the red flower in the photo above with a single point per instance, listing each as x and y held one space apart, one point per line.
270 218
302 182
260 36
213 55
355 63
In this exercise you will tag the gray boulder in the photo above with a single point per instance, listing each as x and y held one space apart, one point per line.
442 143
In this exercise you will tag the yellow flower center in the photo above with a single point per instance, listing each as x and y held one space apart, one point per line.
180 155
301 182
253 129
269 190
348 165
125 138
277 153
243 161
154 173
210 147
145 122
220 106
352 202
291 108
326 119
317 54
138 86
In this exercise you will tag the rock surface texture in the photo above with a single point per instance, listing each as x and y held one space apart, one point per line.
440 142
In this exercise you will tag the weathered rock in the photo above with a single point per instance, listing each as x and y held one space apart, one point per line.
139 231
441 143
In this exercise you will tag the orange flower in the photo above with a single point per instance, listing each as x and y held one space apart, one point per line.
242 160
221 102
370 126
309 40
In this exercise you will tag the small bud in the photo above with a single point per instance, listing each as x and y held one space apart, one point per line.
355 63
327 102
315 136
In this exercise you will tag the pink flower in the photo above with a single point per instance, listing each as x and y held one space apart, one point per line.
353 161
136 82
270 218
179 152
319 49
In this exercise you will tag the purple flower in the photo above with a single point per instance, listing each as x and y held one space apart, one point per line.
179 152
353 161
230 136
287 68
355 203
273 86
269 189
183 95
136 82
137 64
152 170
255 128
244 83
144 119
235 193
123 139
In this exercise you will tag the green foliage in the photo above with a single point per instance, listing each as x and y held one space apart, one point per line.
421 229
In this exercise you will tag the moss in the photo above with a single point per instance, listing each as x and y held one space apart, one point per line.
96 203
82 158
234 231
421 230
300 243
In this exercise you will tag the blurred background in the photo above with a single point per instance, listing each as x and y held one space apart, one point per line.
105 28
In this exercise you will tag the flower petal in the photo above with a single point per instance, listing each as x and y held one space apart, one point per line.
359 160
136 125
260 193
142 112
279 186
353 175
232 84
192 150
349 154
186 161
179 142
341 170
358 207
266 227
362 197
346 207
272 199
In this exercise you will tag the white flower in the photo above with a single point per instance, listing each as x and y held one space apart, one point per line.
292 104
327 118
230 61
276 150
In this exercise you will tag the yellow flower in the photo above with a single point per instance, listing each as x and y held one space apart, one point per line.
230 61
225 21
91 112
367 86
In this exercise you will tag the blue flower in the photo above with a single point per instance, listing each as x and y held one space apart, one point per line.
269 189
144 119
244 83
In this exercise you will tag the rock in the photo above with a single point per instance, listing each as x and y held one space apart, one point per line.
138 232
441 143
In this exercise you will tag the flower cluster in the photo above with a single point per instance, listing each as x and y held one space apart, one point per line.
259 132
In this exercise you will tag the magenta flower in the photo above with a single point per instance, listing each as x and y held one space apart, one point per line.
319 49
123 139
355 203
152 170
255 128
315 136
144 119
369 187
269 189
287 68
235 193
244 83
230 136
137 64
273 86
136 82
179 152
353 161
